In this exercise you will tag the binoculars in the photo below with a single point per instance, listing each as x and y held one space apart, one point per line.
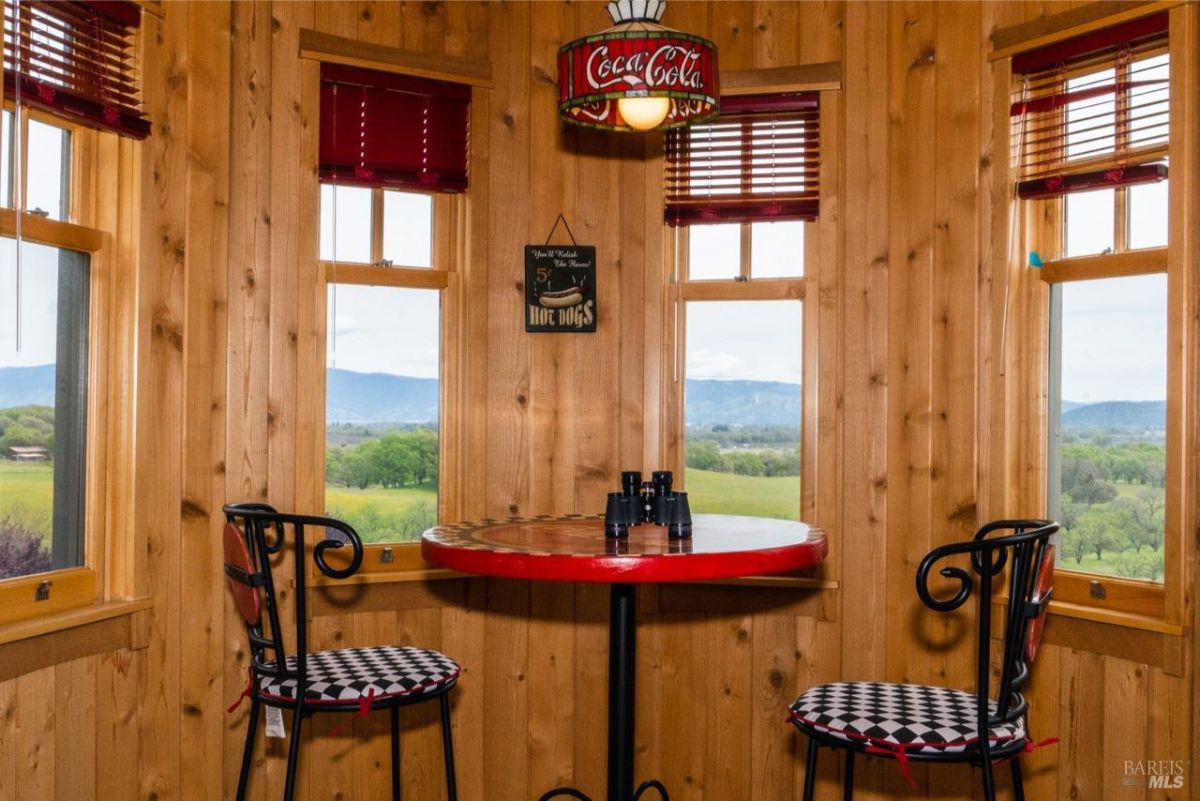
648 502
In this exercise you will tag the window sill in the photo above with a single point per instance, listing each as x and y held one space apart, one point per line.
1115 617
1109 632
71 618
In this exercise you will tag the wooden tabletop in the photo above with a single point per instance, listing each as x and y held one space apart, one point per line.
574 548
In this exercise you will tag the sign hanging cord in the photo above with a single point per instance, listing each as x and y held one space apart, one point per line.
563 220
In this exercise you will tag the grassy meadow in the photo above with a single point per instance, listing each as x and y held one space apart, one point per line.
710 492
382 514
26 495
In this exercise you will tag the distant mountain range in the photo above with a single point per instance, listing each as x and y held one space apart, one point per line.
1117 414
380 398
384 398
747 403
27 386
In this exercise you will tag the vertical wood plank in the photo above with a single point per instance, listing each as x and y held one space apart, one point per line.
508 489
35 729
8 739
74 724
506 727
774 685
202 598
729 660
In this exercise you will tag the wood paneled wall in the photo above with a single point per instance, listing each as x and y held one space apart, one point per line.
226 266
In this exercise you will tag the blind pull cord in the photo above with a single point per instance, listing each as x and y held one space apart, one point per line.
18 178
333 300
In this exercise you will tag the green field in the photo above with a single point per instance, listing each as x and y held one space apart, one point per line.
726 493
26 495
384 515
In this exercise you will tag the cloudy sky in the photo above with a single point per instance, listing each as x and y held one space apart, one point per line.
39 290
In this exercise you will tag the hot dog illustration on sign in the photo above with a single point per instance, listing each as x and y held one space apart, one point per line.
560 288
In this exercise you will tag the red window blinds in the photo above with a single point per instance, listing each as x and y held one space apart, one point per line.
1093 111
76 59
758 161
381 129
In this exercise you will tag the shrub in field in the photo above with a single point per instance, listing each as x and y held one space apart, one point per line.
21 550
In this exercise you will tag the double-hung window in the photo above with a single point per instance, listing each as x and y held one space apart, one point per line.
741 192
69 79
393 164
1091 137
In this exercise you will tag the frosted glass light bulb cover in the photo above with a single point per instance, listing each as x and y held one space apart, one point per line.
644 113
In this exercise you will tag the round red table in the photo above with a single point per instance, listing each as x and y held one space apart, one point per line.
574 548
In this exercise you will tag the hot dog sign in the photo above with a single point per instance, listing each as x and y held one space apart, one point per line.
560 288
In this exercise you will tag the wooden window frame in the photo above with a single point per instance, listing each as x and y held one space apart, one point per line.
107 585
1024 354
817 289
402 560
742 287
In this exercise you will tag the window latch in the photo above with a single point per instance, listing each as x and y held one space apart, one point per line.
42 593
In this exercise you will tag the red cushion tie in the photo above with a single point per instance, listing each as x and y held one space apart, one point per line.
364 706
900 753
246 692
1028 748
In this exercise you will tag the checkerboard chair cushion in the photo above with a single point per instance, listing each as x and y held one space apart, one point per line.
362 674
899 717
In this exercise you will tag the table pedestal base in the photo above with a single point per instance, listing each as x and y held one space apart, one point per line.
622 668
571 792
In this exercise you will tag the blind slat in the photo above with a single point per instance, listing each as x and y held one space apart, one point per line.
382 129
1092 111
76 60
758 161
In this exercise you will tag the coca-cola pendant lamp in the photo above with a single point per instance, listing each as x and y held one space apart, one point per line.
637 75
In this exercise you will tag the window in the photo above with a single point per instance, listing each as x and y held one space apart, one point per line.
49 529
742 190
43 361
393 155
70 84
382 373
1091 141
43 407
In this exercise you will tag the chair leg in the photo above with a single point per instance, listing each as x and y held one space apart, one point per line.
810 770
989 783
395 711
848 777
289 786
248 753
448 749
1018 782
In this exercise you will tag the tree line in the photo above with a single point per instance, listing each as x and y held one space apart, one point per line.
397 459
1095 521
703 454
26 427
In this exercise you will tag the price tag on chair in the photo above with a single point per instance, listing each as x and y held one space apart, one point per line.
275 722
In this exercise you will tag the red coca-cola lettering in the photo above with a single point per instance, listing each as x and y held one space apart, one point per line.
669 66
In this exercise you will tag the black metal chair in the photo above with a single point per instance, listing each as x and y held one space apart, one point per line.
935 724
354 680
